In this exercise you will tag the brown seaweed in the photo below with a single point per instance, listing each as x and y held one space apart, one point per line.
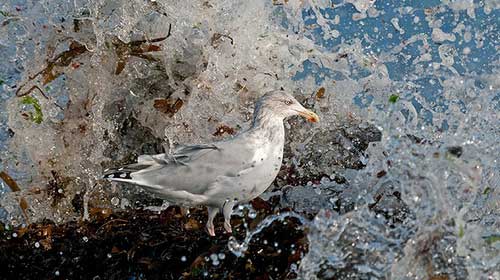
51 71
168 106
320 93
146 245
217 38
23 204
137 48
224 129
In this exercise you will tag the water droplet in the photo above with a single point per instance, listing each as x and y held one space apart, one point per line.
252 214
85 239
56 273
37 245
183 258
221 256
14 234
109 256
115 201
213 257
236 248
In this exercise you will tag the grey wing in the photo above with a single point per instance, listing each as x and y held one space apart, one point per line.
195 168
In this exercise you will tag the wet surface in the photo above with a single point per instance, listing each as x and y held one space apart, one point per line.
149 245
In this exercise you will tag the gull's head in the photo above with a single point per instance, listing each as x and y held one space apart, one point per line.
282 104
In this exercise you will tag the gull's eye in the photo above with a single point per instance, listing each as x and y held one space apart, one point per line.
288 102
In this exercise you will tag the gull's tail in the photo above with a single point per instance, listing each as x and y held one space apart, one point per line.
126 173
117 175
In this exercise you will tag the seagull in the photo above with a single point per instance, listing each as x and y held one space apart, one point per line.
222 174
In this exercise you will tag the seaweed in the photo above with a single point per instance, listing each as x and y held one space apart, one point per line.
492 239
66 58
37 116
320 93
223 129
11 183
486 191
168 106
49 73
137 48
393 98
139 244
217 38
56 187
461 231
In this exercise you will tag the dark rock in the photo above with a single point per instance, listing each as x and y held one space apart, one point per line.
77 202
154 85
340 148
134 140
388 203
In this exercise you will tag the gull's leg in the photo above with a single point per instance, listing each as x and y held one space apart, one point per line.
210 223
227 211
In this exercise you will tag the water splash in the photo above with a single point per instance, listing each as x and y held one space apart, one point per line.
424 75
238 248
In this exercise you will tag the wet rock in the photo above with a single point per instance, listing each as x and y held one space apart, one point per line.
77 202
311 181
155 85
134 139
188 63
388 203
311 198
334 149
433 257
57 187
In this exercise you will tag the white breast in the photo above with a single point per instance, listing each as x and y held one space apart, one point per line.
257 172
267 159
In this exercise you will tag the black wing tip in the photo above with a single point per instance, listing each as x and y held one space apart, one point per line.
117 175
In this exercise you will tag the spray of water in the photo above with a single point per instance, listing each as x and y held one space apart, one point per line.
98 83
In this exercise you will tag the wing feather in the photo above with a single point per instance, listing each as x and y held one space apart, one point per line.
192 169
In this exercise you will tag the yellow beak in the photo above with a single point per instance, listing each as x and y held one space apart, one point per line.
309 115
